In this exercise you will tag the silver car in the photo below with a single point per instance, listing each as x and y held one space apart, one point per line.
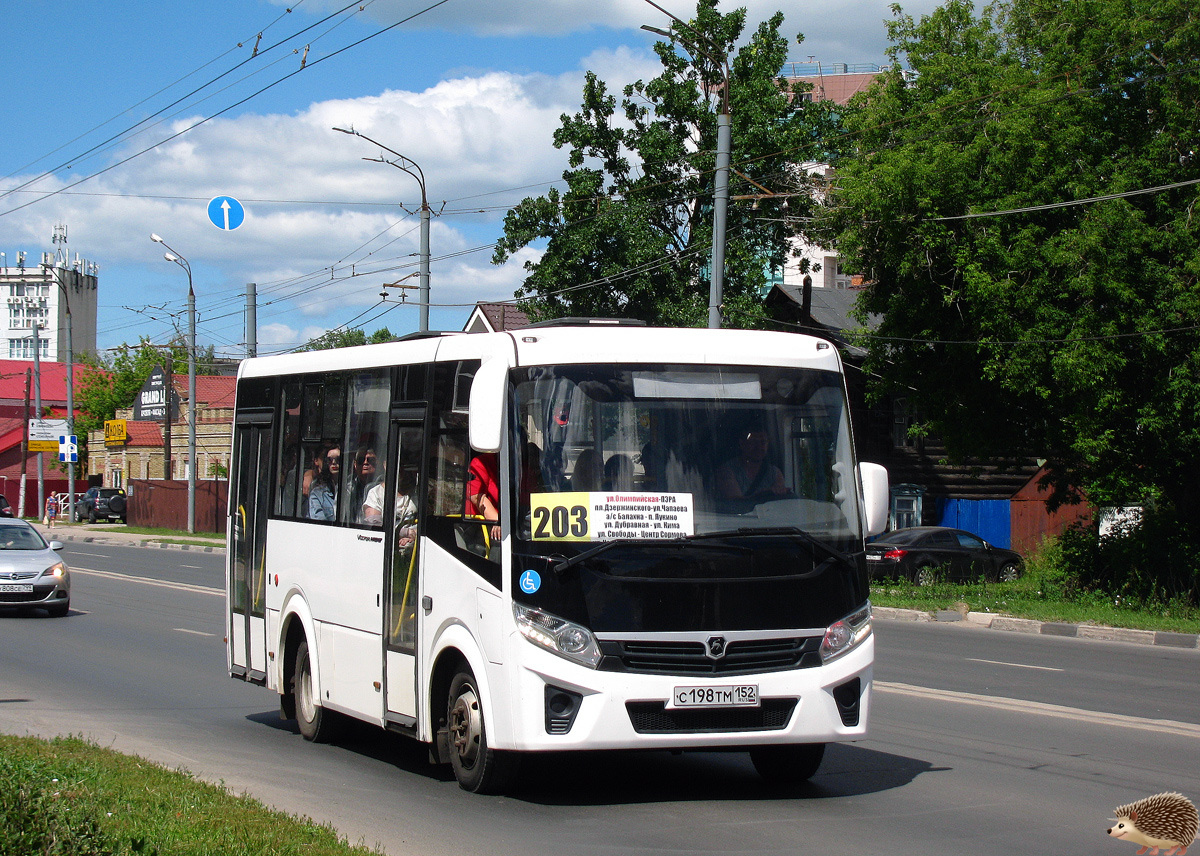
32 574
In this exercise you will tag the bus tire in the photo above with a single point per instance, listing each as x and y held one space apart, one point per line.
788 765
316 723
477 767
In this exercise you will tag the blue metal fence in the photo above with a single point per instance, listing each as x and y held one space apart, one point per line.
990 519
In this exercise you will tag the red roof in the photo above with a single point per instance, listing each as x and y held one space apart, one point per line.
211 390
145 433
53 381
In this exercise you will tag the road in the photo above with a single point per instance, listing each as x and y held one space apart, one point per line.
995 742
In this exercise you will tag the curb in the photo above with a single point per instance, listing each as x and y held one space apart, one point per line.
119 542
992 621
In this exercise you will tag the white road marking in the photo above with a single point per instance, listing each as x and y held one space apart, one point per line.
193 632
1014 665
1163 726
129 578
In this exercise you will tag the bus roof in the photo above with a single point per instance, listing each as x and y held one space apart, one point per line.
563 345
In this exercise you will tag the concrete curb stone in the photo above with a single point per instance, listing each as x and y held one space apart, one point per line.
1045 628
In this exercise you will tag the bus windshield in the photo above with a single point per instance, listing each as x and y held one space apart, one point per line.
658 452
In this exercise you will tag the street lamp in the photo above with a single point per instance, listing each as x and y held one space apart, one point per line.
70 514
172 256
721 175
410 166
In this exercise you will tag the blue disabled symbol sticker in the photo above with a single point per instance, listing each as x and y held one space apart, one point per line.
531 581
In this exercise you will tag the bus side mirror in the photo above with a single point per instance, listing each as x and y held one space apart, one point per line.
876 499
488 391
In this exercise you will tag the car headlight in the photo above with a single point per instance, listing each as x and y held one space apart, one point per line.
846 634
58 570
557 635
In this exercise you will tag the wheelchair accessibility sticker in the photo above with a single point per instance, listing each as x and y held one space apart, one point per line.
530 581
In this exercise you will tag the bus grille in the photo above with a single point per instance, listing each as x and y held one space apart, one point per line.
653 717
742 657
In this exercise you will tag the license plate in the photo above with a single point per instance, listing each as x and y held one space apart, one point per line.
16 586
740 695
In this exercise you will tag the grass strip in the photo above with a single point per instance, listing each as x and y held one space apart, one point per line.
1031 597
67 796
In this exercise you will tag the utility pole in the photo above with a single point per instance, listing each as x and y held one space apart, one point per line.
169 371
37 398
251 320
24 449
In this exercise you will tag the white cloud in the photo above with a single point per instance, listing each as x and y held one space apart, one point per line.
850 31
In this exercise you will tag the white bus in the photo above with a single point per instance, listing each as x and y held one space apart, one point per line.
676 560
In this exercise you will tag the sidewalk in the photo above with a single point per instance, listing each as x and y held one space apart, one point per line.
112 533
116 534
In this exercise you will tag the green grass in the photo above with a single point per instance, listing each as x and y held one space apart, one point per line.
66 796
1034 596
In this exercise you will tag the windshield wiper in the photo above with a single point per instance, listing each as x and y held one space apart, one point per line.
564 564
794 531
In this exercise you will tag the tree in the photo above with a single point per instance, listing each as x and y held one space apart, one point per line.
348 339
631 234
1061 332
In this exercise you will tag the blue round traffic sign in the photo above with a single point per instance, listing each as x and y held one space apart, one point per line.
226 213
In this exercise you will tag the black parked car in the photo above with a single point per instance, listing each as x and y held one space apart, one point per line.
102 503
924 554
5 508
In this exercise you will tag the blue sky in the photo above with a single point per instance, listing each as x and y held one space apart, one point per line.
471 91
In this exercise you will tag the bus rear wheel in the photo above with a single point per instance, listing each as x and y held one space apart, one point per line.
788 765
316 723
477 767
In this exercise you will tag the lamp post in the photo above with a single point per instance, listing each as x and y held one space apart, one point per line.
410 166
70 511
172 256
721 174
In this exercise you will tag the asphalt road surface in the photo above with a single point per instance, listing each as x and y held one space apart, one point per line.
992 742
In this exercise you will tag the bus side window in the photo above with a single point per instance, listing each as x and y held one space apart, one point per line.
291 466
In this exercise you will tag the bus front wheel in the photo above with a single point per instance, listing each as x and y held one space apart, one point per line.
788 765
477 767
316 723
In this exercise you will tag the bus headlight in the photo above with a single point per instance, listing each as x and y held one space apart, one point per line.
846 634
557 635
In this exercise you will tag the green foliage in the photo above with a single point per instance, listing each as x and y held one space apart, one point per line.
631 234
348 339
1066 333
65 797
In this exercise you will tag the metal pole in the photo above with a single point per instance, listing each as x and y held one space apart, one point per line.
424 291
24 451
37 410
720 203
191 505
70 510
251 320
414 169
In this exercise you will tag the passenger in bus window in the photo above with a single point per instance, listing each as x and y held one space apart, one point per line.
750 474
322 499
588 471
310 473
406 508
363 476
483 489
618 472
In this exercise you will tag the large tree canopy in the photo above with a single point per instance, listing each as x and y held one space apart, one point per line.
631 233
1061 332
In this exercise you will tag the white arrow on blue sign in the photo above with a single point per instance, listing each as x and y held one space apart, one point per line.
226 213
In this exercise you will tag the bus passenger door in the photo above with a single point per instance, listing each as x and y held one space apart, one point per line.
247 581
403 522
